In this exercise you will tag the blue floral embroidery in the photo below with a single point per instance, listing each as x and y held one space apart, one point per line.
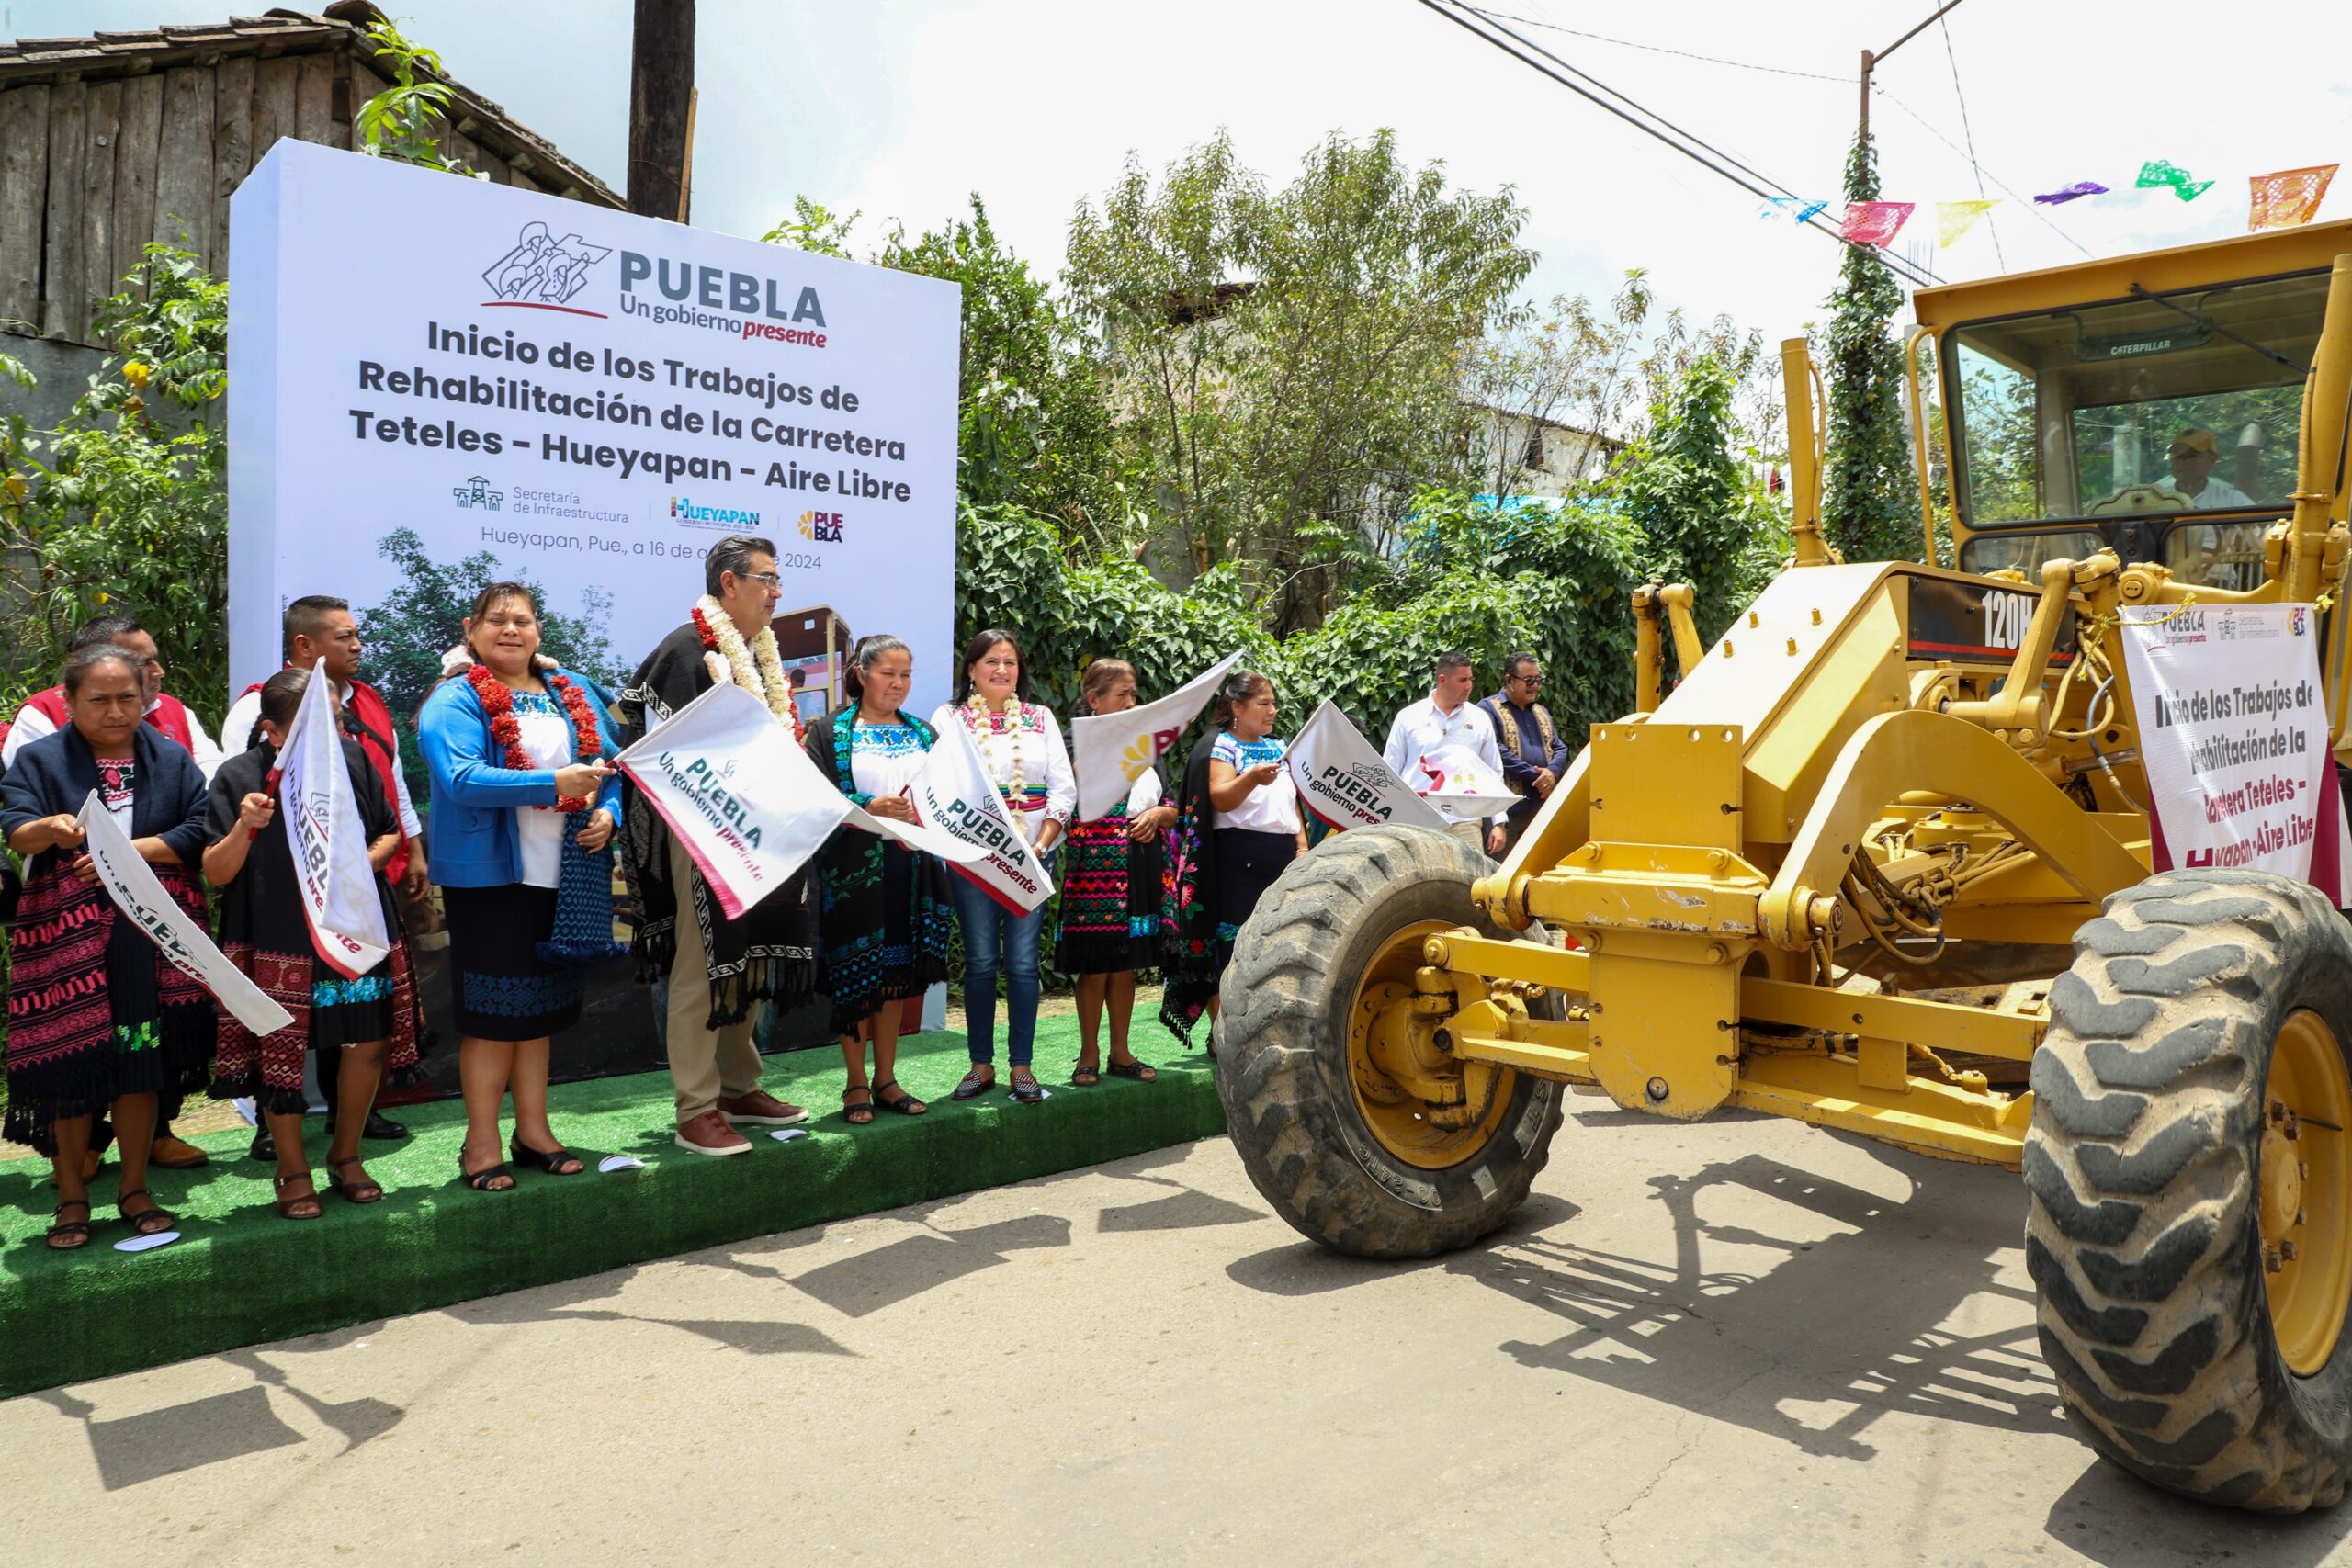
520 995
333 992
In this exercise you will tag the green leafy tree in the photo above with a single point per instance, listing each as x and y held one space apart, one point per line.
1287 365
1865 493
118 512
813 227
1036 428
408 119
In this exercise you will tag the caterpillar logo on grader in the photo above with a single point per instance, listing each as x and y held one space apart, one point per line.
1836 873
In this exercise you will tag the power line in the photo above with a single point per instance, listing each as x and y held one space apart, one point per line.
1677 53
1968 133
2024 202
1683 141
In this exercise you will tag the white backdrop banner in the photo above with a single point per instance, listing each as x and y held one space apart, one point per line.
1347 782
431 368
2234 737
1109 751
131 882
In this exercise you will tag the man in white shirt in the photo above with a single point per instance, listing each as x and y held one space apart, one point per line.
44 712
2194 453
1448 717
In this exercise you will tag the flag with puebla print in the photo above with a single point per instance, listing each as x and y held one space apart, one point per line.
955 797
1346 783
1109 751
745 799
131 882
1457 782
327 837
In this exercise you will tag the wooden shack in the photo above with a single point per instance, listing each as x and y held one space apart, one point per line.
112 140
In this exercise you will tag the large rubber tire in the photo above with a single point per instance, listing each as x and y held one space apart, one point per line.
1282 1066
2142 1162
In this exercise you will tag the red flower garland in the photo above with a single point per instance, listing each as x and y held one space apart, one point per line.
498 702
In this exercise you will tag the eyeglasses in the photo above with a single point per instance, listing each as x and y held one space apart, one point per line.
765 578
1527 680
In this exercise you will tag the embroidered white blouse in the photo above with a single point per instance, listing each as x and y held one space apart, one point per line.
1033 736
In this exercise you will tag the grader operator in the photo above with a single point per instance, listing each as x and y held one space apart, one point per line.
1881 862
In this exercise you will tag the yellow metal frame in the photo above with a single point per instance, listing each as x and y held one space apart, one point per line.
1818 807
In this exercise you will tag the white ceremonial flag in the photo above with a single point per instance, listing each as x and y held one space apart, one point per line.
132 885
1109 751
955 795
1345 783
2233 738
328 839
745 799
1457 782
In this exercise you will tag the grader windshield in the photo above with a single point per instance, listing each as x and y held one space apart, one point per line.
2133 420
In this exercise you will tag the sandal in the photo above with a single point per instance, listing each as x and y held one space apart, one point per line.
366 1190
1086 1075
860 1113
552 1161
302 1206
974 1085
66 1235
1026 1089
905 1105
152 1220
1131 1068
480 1180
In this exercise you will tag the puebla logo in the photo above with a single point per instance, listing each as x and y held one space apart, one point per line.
544 273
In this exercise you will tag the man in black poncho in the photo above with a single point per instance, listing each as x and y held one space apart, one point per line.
719 970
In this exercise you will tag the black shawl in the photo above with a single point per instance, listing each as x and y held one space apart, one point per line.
265 933
858 971
1187 947
770 954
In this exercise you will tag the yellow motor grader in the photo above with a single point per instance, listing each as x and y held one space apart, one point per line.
1880 861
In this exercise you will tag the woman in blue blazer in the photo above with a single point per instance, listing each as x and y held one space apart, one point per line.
525 802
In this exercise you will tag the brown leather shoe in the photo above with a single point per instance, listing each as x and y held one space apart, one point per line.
761 1109
708 1133
168 1153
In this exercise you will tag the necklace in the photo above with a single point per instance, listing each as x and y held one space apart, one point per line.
986 725
756 667
498 702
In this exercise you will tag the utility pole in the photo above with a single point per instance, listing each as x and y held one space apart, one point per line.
660 108
1869 61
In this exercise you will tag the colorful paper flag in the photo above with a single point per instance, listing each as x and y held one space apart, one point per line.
1875 222
2156 173
2289 197
1954 218
1811 210
2075 192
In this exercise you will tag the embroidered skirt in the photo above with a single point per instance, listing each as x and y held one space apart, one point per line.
149 1048
1110 915
506 990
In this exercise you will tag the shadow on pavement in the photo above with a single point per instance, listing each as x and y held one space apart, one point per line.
2110 1516
1848 1328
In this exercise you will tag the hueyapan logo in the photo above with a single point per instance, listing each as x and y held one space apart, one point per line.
684 510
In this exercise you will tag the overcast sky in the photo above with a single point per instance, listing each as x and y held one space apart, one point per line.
898 108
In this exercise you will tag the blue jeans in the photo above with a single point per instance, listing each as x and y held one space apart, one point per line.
997 939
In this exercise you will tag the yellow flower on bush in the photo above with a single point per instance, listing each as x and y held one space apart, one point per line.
135 373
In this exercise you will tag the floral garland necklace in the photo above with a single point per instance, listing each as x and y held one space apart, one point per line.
984 724
756 667
498 700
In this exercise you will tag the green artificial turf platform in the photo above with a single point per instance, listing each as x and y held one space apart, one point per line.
240 1275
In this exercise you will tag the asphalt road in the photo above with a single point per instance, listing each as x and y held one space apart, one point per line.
1740 1342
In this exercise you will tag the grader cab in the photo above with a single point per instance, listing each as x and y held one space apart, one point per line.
1880 861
